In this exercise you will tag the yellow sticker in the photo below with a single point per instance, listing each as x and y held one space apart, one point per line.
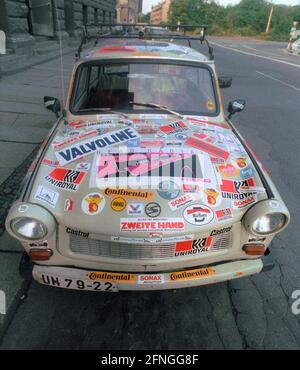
191 274
210 105
127 193
146 54
112 277
118 204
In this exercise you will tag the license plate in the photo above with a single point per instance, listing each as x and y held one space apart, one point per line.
77 284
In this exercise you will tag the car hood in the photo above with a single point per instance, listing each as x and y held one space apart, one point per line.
146 175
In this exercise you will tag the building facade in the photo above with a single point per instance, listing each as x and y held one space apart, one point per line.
161 12
128 11
27 21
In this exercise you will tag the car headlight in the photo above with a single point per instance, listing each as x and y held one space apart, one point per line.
266 217
28 228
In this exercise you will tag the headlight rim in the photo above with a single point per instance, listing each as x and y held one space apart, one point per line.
23 237
275 230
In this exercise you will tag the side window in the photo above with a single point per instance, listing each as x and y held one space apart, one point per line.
82 84
94 75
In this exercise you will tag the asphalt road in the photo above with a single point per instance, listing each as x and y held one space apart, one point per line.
249 313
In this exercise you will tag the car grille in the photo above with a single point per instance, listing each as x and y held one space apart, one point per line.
100 248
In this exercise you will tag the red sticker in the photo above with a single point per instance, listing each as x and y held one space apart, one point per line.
65 179
173 127
208 148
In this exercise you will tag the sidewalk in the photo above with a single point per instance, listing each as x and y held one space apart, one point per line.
24 123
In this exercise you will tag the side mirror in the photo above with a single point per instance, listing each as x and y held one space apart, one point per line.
236 106
52 104
225 82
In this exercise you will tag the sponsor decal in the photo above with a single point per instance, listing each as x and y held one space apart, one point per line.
153 209
111 276
242 192
90 146
127 193
181 136
191 274
68 205
49 163
211 197
43 244
134 143
255 240
174 127
83 166
221 231
152 143
135 209
240 162
224 214
118 204
23 208
151 279
204 137
109 123
188 248
207 148
217 161
181 201
146 129
59 142
173 143
210 105
77 232
146 225
153 240
204 122
198 214
46 196
236 204
93 203
168 190
65 179
228 171
247 172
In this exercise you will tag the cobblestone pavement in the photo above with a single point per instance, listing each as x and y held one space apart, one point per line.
249 313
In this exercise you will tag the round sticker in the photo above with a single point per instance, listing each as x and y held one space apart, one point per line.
210 105
211 197
118 204
153 209
240 162
198 214
93 203
168 190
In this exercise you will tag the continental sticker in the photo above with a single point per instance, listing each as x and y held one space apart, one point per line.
191 274
127 193
112 277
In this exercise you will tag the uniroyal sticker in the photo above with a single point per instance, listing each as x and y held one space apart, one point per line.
47 196
93 203
151 279
144 225
181 201
188 248
224 214
198 214
65 179
90 146
174 127
238 189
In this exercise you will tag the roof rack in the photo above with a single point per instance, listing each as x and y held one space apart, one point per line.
129 31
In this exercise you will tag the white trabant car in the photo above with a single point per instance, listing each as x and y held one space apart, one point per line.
144 182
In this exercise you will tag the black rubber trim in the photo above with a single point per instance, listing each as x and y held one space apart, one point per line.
268 263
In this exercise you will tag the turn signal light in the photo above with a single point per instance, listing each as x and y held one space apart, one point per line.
254 249
36 254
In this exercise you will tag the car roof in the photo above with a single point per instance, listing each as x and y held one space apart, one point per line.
140 49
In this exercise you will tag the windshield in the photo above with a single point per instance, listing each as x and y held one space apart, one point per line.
117 86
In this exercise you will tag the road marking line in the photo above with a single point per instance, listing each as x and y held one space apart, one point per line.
256 55
275 79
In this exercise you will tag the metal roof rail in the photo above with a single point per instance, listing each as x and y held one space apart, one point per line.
107 32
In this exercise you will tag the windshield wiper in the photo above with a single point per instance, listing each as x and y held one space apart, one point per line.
124 115
158 107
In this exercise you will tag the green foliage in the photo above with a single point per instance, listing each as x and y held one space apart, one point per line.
248 18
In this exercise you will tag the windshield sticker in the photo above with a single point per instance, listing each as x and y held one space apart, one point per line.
198 214
47 196
111 69
146 225
210 105
93 204
90 146
65 179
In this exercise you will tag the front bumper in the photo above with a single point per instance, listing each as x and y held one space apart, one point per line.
157 281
